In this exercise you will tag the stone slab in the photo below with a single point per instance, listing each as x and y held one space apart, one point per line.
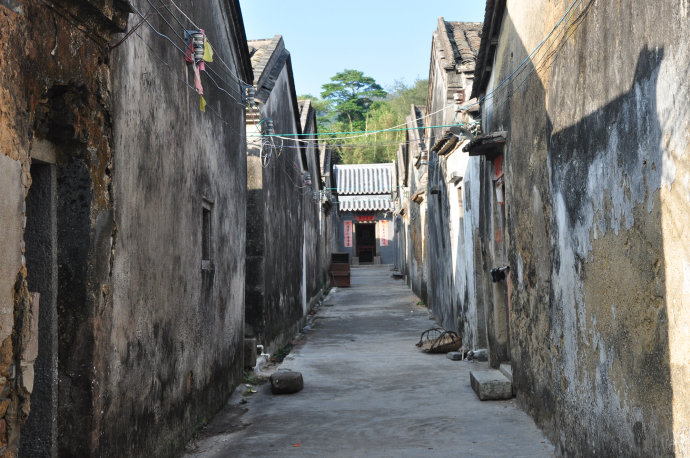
490 385
507 370
454 356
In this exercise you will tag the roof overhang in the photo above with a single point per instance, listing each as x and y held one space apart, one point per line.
487 48
489 145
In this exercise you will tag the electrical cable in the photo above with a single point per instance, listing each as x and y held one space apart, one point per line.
537 66
230 72
209 69
525 61
367 132
157 32
209 108
465 107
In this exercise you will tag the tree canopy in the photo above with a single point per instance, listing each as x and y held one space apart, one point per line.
352 94
377 113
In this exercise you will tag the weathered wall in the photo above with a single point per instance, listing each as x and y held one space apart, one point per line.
314 279
328 216
468 267
596 205
415 217
169 347
54 103
402 208
441 291
277 309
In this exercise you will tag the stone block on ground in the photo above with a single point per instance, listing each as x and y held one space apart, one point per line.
490 384
454 355
286 382
507 370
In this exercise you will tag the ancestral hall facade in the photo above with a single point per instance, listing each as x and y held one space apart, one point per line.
366 212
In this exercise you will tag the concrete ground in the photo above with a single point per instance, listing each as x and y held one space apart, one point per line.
368 391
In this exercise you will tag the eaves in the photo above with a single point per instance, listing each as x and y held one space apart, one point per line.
495 9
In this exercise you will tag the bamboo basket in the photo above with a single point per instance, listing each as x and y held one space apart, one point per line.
439 340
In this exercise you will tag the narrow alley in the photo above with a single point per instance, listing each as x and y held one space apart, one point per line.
368 391
205 203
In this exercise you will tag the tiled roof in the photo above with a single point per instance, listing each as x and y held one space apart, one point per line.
366 203
493 17
465 38
268 57
305 111
325 159
364 178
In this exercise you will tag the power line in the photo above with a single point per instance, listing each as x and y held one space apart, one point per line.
463 108
529 56
240 80
229 72
167 64
157 32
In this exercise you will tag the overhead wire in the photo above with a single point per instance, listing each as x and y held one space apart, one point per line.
338 136
538 65
240 80
209 108
209 69
229 72
490 94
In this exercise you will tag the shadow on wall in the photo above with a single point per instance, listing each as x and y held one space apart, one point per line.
441 287
610 320
586 238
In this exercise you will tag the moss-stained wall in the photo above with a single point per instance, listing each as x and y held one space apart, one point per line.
282 226
54 90
136 343
415 215
172 333
597 193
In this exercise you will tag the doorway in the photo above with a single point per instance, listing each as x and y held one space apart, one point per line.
39 433
365 242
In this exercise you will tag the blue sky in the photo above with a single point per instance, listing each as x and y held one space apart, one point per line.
388 40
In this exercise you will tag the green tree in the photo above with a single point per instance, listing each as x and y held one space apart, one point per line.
383 114
352 94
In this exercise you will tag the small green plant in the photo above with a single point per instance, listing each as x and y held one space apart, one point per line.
421 303
281 353
252 378
199 427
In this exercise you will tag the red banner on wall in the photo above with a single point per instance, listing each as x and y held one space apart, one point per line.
347 233
383 232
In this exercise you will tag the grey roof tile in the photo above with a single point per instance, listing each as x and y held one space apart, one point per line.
366 203
361 179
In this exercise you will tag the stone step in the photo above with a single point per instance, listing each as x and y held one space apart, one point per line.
507 370
490 385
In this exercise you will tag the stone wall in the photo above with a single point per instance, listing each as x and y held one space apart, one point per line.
314 273
282 226
173 316
415 216
54 113
596 172
136 342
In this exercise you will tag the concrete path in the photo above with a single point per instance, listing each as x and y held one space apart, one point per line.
368 391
